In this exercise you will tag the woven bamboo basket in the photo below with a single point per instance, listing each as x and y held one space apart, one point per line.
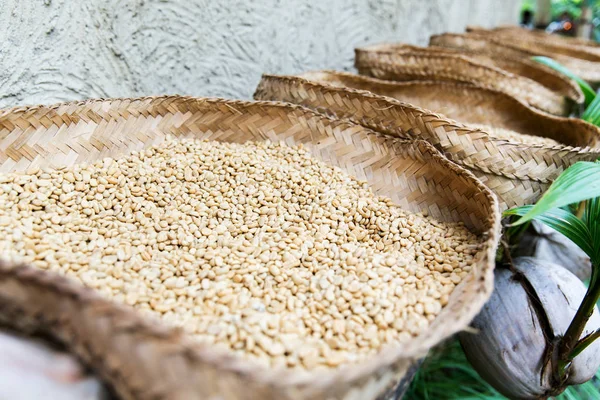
144 359
516 171
582 59
403 62
538 34
516 62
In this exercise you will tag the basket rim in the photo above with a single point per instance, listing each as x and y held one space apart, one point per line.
390 48
385 357
423 82
583 49
523 42
575 90
429 53
505 143
586 69
431 82
535 34
370 57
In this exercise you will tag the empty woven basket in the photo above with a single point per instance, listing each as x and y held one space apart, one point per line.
537 34
517 170
583 60
403 62
143 359
510 60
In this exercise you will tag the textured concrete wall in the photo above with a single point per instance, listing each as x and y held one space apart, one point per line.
56 50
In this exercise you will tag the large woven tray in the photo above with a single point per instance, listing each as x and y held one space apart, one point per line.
537 34
400 62
583 60
513 61
517 172
143 359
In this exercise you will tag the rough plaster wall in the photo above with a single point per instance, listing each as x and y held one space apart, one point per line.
57 50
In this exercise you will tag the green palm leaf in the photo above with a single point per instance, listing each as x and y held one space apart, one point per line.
564 222
588 92
592 112
591 217
579 182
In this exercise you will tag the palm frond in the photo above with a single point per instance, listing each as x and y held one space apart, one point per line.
579 182
591 217
447 375
564 222
592 112
588 92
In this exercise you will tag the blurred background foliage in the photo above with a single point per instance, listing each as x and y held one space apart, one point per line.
548 13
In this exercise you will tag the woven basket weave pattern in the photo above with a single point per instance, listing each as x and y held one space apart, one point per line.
470 104
142 359
513 61
516 172
576 47
583 60
586 45
401 63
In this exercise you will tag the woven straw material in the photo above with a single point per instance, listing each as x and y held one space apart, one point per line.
515 62
403 62
583 60
517 172
538 34
142 359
